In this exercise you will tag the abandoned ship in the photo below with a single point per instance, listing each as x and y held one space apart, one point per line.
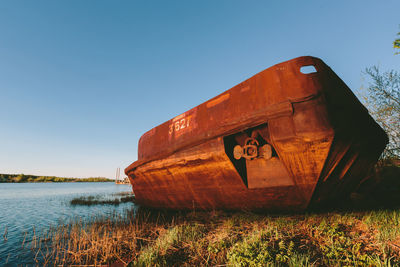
283 140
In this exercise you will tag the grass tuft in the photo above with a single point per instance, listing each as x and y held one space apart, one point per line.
101 200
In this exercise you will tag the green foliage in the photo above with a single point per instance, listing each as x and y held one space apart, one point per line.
262 249
396 43
340 247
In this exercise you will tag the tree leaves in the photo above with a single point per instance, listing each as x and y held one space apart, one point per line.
396 44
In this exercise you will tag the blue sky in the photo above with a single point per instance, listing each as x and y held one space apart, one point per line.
81 81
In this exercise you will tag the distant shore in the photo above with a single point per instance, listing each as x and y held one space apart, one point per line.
23 178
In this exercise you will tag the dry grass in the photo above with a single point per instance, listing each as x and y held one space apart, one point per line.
159 238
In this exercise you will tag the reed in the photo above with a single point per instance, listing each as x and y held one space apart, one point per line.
160 238
5 233
102 200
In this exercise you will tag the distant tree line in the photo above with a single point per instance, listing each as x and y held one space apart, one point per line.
22 178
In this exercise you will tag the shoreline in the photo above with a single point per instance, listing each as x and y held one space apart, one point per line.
24 178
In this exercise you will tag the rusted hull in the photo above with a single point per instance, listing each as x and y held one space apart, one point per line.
281 140
204 177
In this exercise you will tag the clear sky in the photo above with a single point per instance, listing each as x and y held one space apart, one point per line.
81 81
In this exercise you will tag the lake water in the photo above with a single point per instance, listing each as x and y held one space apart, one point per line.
28 206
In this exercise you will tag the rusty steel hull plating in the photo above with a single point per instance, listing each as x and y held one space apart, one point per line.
281 140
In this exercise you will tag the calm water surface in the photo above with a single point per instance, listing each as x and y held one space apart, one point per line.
28 206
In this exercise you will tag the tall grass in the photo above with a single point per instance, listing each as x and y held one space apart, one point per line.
160 238
119 198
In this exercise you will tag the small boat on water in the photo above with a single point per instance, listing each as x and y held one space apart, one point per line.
283 140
